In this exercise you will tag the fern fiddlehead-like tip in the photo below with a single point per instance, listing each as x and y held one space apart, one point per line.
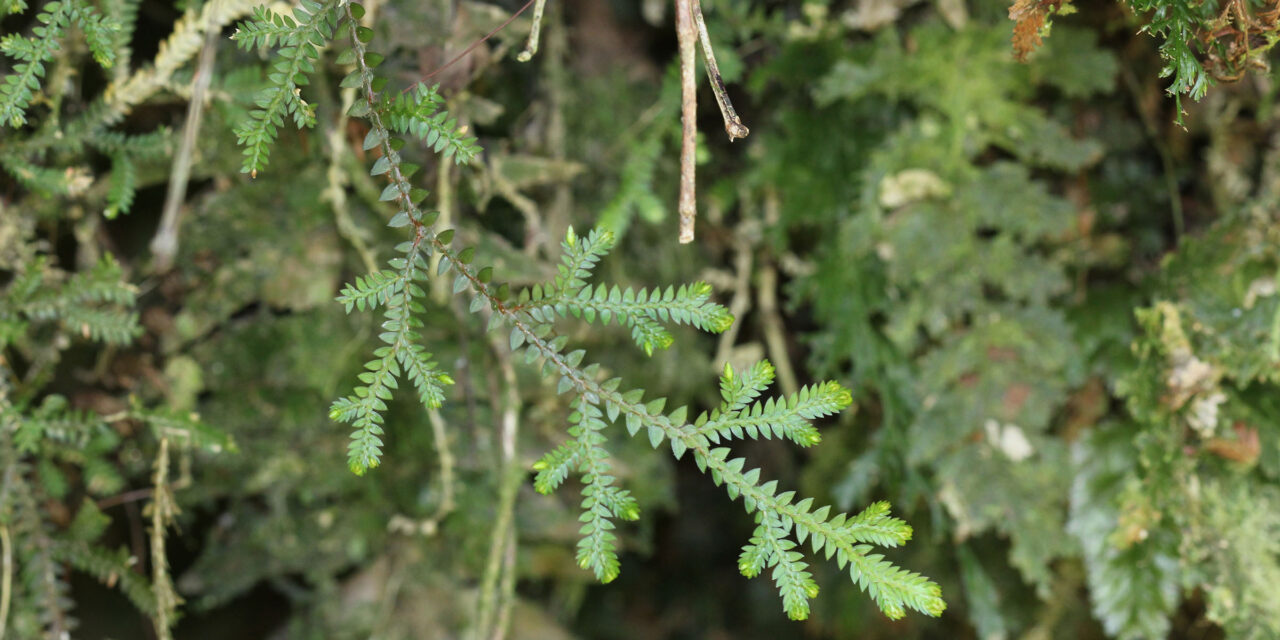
843 396
721 322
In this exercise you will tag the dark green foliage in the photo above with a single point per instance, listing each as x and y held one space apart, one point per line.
530 317
31 53
52 452
1011 299
421 113
300 39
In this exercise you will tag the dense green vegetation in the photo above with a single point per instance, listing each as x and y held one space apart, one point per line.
357 319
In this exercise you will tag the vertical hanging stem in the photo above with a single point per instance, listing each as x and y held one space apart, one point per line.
163 511
531 47
732 123
492 613
6 581
687 37
165 243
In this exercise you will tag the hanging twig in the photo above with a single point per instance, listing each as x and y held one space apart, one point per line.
445 456
493 599
732 123
6 581
531 47
163 510
686 36
337 179
165 243
689 27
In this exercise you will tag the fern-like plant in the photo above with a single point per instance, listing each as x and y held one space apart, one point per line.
18 89
784 522
50 452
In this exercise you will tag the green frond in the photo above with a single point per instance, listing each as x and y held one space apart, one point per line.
643 311
601 501
1177 21
91 304
110 568
876 526
421 113
54 421
370 290
89 523
43 179
124 185
397 291
101 325
739 390
787 417
139 146
18 89
103 284
770 546
300 38
427 379
185 430
555 466
893 589
784 523
581 254
635 193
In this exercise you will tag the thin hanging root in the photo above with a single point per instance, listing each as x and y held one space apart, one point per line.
686 36
732 123
531 47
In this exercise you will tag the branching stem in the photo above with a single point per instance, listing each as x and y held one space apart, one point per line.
893 588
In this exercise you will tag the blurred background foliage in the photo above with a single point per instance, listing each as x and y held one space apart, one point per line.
1054 296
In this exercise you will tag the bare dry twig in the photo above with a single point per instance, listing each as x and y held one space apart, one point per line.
686 35
690 26
732 123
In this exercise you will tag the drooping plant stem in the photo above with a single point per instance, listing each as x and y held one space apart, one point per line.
687 37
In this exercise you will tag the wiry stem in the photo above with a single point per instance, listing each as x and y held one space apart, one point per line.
490 624
445 456
6 580
165 243
338 179
163 510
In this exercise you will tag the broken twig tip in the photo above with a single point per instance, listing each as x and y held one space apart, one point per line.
736 130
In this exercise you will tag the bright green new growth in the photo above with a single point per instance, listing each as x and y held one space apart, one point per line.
300 39
17 90
783 522
1177 22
